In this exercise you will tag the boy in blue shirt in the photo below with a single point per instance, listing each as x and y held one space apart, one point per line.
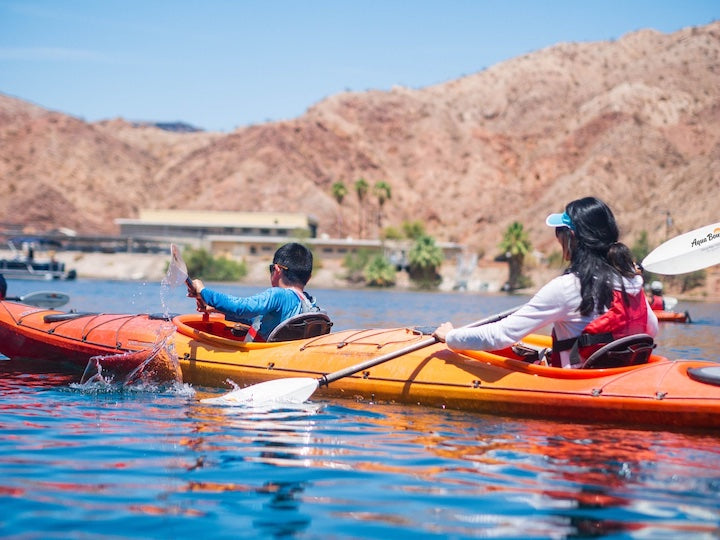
290 272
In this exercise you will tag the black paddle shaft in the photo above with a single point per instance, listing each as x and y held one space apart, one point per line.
351 370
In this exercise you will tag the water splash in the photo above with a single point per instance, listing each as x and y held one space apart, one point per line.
175 276
165 290
147 367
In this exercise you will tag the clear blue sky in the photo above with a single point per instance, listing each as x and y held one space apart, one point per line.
222 64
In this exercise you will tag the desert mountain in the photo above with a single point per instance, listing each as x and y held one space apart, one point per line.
634 121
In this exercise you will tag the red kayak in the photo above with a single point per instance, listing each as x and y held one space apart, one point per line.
672 316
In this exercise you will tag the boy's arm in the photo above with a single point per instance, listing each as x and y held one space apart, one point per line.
243 307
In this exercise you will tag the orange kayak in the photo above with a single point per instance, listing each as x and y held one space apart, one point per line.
672 316
678 393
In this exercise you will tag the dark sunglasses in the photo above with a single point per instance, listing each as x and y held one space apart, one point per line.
273 265
559 231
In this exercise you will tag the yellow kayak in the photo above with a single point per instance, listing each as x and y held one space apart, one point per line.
208 349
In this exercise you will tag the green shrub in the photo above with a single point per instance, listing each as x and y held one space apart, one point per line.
413 230
380 272
355 264
203 265
391 233
555 259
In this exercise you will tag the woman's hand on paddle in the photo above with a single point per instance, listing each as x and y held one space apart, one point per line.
441 332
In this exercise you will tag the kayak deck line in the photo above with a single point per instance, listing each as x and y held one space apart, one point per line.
95 322
95 332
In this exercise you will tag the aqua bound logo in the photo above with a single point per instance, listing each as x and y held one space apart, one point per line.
713 235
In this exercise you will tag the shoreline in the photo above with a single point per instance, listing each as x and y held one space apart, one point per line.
486 277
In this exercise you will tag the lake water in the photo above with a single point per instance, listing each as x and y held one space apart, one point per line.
148 463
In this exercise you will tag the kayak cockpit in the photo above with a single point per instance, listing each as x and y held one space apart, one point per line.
218 330
516 359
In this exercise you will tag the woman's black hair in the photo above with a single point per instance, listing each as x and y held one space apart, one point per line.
299 263
598 259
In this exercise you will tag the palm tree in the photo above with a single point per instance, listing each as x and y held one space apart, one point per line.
361 188
339 191
382 191
515 245
425 258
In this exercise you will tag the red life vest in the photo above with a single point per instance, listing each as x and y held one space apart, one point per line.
657 303
623 318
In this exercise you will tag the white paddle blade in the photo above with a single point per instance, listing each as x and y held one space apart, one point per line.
687 252
177 270
295 390
45 299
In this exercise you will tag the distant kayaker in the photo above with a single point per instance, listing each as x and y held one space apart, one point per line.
598 299
290 272
657 302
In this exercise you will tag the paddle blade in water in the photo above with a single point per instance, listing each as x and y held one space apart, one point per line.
294 390
688 252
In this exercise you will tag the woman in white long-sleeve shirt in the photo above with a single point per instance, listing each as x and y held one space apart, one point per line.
601 271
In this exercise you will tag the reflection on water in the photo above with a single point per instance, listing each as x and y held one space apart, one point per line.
340 470
152 461
383 466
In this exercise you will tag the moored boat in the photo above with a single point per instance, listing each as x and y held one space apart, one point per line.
679 393
29 269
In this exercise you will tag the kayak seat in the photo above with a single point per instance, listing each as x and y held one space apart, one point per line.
530 354
302 326
627 351
708 375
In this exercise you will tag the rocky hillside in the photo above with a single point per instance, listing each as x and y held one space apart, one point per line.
634 121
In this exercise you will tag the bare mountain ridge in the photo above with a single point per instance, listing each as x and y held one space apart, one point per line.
635 121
